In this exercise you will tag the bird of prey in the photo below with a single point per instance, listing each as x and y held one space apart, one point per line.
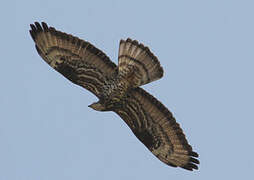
118 89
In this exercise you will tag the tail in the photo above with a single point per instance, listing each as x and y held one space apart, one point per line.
138 63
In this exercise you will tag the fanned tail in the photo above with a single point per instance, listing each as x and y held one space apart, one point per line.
138 63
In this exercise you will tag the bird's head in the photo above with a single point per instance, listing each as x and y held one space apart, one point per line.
97 106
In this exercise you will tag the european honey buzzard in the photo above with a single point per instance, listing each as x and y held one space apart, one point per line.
118 89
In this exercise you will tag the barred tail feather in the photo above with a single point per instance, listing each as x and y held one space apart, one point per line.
138 63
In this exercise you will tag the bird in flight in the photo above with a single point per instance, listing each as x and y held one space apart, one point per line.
118 89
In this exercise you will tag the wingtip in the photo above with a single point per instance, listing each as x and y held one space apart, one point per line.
194 154
33 27
36 26
190 166
161 72
121 41
196 161
193 166
192 163
128 40
44 25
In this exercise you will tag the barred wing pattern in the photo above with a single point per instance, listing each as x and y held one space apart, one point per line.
76 59
154 125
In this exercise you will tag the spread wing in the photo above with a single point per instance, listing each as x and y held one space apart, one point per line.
154 125
76 59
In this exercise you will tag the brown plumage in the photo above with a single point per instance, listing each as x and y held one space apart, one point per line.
117 88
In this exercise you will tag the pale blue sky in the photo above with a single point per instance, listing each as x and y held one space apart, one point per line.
47 132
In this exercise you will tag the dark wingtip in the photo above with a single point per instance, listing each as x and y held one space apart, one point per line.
194 160
121 41
33 31
194 154
44 25
190 167
33 27
161 72
128 40
187 168
39 28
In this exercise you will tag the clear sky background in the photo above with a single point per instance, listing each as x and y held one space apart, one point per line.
47 132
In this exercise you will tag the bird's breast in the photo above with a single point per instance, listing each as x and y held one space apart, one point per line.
114 90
